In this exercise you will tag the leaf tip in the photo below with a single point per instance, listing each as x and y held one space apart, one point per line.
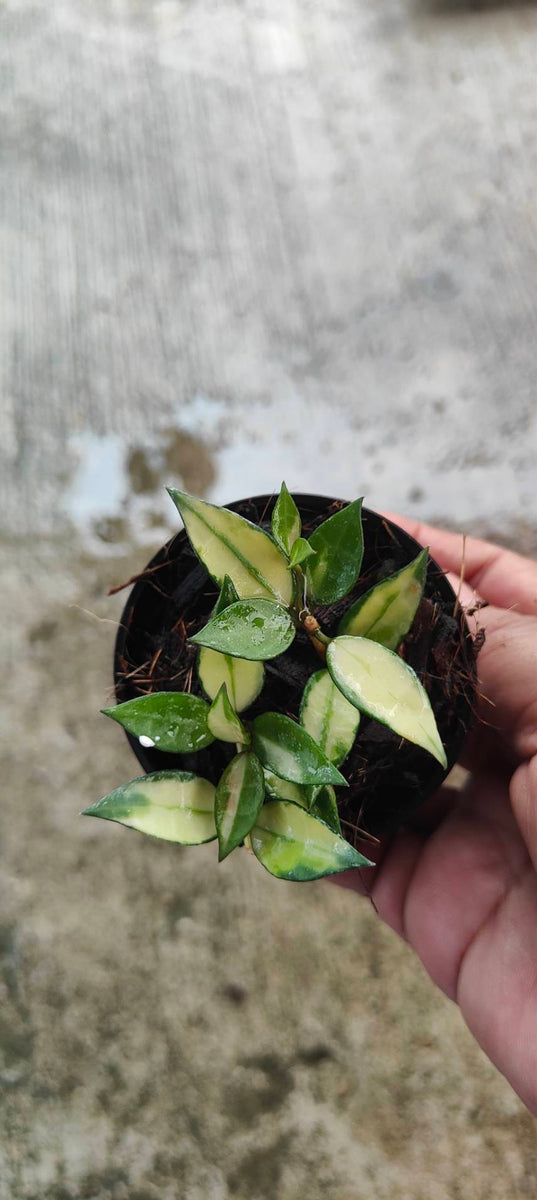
441 756
365 862
224 852
340 781
178 497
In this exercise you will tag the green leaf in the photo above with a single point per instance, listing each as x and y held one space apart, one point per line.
253 629
285 523
228 545
174 805
340 545
172 721
244 679
328 717
288 751
224 722
386 612
320 801
283 789
293 844
300 552
228 595
379 683
323 804
239 797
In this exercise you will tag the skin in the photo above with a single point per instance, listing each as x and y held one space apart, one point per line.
460 885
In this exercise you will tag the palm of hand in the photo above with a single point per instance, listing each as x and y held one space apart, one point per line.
463 890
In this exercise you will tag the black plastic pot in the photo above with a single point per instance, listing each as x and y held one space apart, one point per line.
389 778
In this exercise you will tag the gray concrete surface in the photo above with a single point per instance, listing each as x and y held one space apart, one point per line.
240 242
233 218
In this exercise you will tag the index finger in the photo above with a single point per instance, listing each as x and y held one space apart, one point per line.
500 576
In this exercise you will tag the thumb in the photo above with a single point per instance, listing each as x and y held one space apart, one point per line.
507 673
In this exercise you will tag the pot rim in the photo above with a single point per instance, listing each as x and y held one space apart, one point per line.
303 501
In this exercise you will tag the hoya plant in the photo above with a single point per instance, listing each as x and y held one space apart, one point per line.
278 793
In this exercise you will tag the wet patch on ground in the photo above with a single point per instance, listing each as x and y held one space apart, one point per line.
116 494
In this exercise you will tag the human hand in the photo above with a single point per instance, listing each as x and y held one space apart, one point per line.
461 885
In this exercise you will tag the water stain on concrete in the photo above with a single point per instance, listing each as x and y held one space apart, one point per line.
260 1172
177 907
111 530
143 478
116 490
178 455
260 1084
189 457
43 631
8 960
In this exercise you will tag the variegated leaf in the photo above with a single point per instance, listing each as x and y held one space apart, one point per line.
239 796
287 750
223 721
328 717
174 805
244 679
292 844
386 612
379 683
227 544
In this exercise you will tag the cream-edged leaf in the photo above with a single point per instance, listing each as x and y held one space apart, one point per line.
244 679
379 683
339 546
174 805
285 521
239 796
328 717
227 544
223 721
292 844
285 749
253 629
386 612
171 721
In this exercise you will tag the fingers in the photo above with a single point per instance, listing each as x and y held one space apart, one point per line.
444 890
523 795
507 670
503 578
388 888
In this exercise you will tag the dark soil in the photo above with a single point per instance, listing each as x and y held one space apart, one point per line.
389 778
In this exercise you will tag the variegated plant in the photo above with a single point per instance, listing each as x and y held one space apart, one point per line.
277 795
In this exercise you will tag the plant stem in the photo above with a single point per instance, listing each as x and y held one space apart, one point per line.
318 639
306 619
